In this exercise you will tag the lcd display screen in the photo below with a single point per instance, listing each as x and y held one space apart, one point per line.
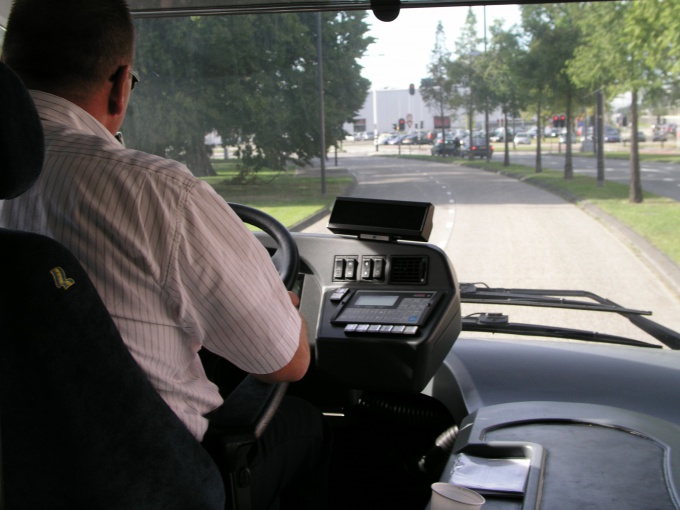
376 300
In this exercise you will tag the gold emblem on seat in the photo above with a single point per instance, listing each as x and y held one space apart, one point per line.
60 279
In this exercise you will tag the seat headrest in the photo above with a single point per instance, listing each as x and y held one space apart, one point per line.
22 147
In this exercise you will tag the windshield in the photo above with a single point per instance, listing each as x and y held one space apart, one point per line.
250 101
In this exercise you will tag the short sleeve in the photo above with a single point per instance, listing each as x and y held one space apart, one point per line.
227 294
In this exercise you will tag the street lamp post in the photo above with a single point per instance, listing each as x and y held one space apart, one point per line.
322 122
375 120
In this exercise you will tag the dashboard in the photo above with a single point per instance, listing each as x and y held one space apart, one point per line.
382 315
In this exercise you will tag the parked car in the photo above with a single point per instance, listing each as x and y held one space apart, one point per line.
498 135
383 137
550 132
415 139
532 131
659 135
611 134
640 136
477 149
522 138
449 146
392 139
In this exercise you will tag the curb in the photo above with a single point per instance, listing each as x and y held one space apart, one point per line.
667 270
318 216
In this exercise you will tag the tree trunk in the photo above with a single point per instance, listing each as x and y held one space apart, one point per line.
568 161
539 136
635 194
198 158
471 114
506 160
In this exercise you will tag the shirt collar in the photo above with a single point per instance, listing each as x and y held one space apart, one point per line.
57 110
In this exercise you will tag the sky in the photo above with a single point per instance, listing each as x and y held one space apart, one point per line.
403 47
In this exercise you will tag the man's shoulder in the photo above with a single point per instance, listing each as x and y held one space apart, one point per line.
155 166
146 171
109 157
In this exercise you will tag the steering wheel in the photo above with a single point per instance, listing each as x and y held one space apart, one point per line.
287 258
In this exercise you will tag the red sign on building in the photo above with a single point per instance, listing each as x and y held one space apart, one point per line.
442 122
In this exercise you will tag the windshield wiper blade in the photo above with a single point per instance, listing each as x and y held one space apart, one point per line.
471 293
477 323
552 298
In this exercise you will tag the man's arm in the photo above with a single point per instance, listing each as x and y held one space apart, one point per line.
296 367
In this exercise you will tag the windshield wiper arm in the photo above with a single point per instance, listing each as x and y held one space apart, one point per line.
480 293
471 293
481 324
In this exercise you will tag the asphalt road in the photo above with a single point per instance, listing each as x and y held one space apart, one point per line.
659 178
506 233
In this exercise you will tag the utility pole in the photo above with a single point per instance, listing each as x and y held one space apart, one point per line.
486 104
322 122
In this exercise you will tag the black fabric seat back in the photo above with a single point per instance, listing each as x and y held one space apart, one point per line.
81 426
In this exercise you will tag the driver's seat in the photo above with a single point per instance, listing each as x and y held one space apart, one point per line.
81 426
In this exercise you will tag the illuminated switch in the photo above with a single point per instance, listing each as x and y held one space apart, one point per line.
351 269
367 269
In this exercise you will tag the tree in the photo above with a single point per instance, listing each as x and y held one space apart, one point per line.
623 51
553 38
466 73
164 117
345 90
436 90
503 65
222 78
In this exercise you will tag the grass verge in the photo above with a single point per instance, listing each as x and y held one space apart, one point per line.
283 195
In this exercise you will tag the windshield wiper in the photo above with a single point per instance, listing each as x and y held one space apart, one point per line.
497 323
480 293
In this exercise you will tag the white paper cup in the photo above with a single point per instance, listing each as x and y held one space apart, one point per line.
446 496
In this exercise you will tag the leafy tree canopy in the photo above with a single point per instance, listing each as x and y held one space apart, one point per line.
201 74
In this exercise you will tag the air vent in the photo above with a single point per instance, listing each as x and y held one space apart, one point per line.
408 270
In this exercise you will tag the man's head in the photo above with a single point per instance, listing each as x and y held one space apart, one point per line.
71 48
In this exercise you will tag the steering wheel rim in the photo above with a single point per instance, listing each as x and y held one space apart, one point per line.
286 259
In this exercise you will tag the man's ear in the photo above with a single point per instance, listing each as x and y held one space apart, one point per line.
119 91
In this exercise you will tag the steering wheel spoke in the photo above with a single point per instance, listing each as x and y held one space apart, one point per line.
286 259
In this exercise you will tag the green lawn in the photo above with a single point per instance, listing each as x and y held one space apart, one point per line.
287 197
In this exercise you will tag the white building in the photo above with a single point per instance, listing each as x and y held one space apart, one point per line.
383 109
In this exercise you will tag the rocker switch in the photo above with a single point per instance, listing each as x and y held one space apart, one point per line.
367 269
351 269
339 269
378 268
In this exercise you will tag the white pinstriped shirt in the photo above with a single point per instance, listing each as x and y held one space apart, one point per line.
174 265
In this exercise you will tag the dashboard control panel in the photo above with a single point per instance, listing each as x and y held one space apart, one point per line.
381 305
384 312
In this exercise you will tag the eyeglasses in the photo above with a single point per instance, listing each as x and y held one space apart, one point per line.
135 79
133 76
